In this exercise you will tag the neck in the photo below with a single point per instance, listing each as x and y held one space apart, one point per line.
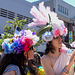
56 53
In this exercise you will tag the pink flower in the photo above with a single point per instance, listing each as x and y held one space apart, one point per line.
26 43
65 29
56 33
23 39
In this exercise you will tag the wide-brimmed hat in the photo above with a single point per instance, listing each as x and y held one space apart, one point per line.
47 20
21 41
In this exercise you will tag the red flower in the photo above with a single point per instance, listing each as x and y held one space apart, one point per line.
26 43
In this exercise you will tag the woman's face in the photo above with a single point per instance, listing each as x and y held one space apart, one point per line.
31 54
57 42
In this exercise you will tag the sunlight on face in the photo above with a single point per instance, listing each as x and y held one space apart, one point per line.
57 42
31 54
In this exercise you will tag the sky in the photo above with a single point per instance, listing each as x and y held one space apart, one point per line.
32 1
71 2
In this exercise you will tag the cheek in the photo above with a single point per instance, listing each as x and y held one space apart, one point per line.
30 54
56 44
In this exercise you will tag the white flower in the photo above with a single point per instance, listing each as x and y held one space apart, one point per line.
47 36
4 43
29 34
35 39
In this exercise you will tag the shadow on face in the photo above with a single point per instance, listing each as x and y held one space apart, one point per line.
57 42
30 54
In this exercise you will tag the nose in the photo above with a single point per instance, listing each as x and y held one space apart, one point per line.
33 49
60 38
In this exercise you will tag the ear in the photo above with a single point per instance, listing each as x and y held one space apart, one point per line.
25 54
47 42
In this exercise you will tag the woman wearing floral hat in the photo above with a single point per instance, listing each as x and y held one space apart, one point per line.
55 61
17 51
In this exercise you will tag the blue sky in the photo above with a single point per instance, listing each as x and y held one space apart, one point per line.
32 1
71 2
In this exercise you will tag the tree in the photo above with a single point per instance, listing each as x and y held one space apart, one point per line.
9 30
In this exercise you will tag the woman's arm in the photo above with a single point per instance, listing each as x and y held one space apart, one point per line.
10 73
46 63
71 62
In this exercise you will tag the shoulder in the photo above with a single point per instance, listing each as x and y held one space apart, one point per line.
12 68
10 73
45 58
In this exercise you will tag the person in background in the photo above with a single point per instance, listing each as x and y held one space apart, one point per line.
17 51
55 61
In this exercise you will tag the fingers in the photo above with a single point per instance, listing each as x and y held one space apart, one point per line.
74 58
73 54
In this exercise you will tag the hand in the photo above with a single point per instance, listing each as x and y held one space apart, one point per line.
72 59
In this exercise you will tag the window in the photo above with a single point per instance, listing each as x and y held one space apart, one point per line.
67 11
63 10
11 15
7 14
3 13
20 16
29 20
58 7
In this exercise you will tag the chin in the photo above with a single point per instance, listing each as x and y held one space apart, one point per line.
60 46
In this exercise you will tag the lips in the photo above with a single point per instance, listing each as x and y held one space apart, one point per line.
60 42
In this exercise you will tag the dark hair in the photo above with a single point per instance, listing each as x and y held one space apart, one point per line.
15 59
49 48
32 67
31 48
37 59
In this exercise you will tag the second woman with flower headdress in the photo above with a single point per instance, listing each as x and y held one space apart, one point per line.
56 60
17 51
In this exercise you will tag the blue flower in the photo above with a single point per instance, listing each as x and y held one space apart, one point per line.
18 48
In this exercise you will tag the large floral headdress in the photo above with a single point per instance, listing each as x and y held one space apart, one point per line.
51 26
20 42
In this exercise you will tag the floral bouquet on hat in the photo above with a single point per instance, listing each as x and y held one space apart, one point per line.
51 26
21 42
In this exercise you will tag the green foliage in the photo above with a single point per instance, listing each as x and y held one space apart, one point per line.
13 24
1 40
6 35
39 42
